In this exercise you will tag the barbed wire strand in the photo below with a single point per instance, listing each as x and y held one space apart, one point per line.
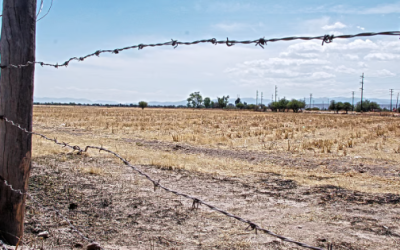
196 201
40 9
57 212
258 42
51 5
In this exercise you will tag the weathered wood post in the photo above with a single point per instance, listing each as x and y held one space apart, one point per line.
18 34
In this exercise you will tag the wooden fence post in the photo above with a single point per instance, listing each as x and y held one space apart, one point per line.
18 34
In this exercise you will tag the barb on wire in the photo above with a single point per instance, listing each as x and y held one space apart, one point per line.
57 212
196 201
261 42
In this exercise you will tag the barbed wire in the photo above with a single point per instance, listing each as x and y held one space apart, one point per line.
57 212
175 43
48 11
196 201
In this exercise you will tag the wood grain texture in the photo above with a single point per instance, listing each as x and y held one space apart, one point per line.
16 102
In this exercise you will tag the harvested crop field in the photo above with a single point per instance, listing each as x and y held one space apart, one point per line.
321 179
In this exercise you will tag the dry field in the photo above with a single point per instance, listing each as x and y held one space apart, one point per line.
316 178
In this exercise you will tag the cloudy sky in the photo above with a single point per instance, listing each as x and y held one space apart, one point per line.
298 68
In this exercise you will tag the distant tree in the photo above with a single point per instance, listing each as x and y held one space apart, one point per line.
223 101
273 106
335 106
374 105
263 107
339 106
296 105
346 107
282 104
239 105
332 105
367 105
207 102
251 106
142 104
194 100
237 101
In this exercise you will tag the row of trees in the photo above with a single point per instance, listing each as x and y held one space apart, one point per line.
195 100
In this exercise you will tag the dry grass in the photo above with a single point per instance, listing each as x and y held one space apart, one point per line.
301 136
315 178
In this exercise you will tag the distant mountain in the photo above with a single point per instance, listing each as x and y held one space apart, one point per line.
155 103
69 100
61 100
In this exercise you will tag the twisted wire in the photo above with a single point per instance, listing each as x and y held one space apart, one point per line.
175 43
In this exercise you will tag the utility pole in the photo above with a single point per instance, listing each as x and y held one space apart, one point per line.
391 96
276 92
362 89
272 98
310 100
261 97
323 105
17 44
397 102
257 97
352 101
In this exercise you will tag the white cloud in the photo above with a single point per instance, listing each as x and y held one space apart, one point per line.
361 28
321 75
383 73
346 70
351 56
381 56
337 25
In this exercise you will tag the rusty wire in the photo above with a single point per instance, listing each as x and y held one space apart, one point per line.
55 210
196 201
175 43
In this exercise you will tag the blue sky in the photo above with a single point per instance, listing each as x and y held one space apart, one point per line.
76 28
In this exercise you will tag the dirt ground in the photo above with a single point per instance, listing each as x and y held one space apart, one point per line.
120 210
321 199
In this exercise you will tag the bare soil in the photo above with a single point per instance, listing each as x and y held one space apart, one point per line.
121 210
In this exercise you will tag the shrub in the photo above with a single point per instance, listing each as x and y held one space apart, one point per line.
142 104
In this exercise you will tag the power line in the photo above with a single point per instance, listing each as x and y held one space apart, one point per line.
175 43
